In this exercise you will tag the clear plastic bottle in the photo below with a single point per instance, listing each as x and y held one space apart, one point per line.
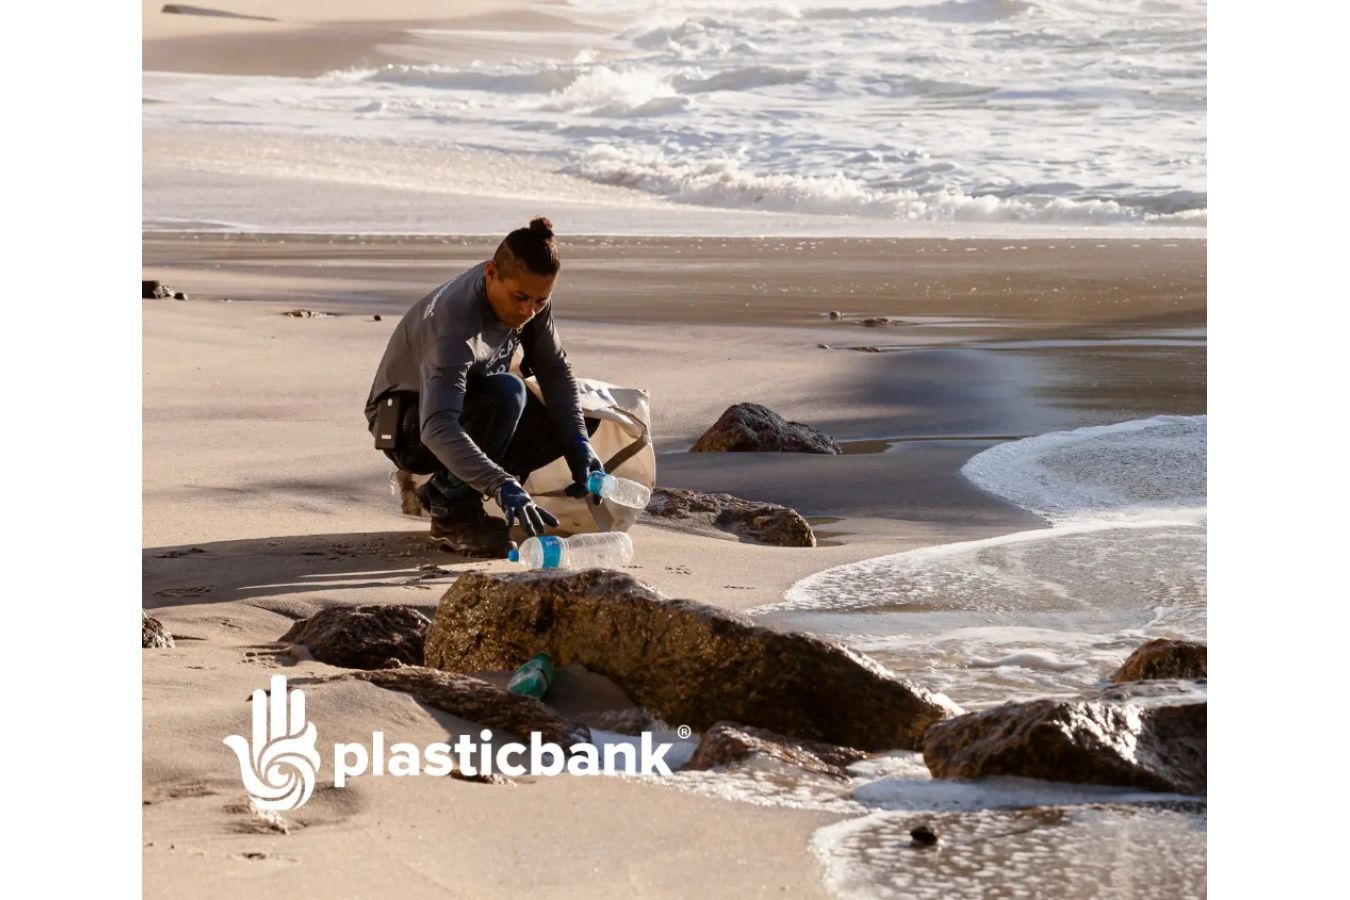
619 490
604 550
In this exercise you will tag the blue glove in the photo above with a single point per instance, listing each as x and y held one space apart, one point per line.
518 506
581 459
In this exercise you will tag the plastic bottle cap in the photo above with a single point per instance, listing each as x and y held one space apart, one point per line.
513 554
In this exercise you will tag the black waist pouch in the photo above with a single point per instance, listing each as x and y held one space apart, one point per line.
389 419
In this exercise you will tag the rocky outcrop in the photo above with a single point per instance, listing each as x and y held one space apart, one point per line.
362 637
691 664
480 702
153 634
1156 748
727 742
155 290
751 428
1164 658
763 523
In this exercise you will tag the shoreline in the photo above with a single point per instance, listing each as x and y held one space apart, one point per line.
222 178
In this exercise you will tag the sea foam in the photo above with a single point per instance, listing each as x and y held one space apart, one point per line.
1049 611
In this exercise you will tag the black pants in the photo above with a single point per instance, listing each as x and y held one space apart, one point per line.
505 420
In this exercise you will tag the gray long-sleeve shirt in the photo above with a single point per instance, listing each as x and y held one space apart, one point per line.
453 333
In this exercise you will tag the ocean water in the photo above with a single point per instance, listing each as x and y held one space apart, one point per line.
1083 113
1046 612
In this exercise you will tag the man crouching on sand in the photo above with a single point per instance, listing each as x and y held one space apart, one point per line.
443 403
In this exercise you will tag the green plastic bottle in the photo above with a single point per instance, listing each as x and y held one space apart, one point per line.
533 678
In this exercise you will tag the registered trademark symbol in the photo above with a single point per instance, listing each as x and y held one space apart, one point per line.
684 731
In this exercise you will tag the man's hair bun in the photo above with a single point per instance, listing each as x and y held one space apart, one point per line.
532 249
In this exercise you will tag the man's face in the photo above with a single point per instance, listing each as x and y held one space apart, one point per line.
518 297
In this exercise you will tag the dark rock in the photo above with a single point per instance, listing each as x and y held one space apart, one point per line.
179 295
153 634
764 523
823 346
874 322
480 702
749 427
923 836
728 742
1153 747
376 319
690 663
836 315
1164 658
155 290
362 637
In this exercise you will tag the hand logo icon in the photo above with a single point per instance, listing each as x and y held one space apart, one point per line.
280 765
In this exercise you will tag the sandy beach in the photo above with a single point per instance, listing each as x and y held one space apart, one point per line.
264 502
272 184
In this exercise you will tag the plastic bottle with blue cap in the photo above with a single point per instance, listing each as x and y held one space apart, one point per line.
618 490
604 550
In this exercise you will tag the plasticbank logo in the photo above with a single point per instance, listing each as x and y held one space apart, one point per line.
279 765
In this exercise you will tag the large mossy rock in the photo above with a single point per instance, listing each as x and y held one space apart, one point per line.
691 663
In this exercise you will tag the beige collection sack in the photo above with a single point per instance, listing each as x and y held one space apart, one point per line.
622 441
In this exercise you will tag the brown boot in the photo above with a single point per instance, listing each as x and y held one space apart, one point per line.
467 528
